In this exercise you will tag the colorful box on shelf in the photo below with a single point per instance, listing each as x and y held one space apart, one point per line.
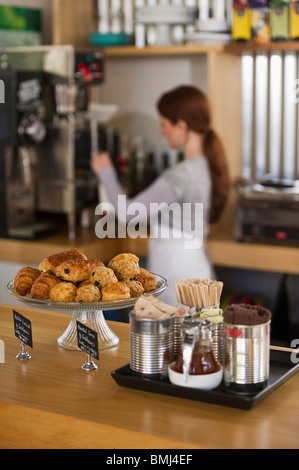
265 20
20 26
260 29
294 19
110 39
279 20
241 22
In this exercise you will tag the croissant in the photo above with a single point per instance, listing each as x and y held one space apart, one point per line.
51 262
43 284
24 280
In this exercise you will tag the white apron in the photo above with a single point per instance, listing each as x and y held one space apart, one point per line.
170 258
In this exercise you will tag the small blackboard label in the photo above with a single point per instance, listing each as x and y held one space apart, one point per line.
87 340
23 329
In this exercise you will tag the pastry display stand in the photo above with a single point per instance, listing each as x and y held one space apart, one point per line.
91 314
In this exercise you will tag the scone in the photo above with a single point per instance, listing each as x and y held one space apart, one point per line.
84 283
115 291
51 262
63 292
43 284
147 279
88 293
102 276
125 269
77 270
25 279
136 288
123 257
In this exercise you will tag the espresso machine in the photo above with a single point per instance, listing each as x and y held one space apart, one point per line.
55 131
267 211
21 131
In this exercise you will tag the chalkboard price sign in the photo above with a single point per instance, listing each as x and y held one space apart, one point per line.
23 329
87 340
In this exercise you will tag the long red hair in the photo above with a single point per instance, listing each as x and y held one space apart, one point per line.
191 105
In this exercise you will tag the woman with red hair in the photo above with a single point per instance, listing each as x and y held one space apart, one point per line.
200 180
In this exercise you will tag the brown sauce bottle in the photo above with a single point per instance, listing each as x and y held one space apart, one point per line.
203 360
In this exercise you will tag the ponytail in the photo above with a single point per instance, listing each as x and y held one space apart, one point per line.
191 105
215 154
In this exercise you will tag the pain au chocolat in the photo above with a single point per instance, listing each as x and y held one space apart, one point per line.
51 262
77 270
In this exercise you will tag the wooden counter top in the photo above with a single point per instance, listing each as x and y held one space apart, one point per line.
223 248
50 402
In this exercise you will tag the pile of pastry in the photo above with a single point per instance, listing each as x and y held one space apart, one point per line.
69 276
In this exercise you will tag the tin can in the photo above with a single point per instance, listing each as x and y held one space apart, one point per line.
151 345
246 358
217 338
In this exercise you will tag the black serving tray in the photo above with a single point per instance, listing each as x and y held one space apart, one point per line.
281 370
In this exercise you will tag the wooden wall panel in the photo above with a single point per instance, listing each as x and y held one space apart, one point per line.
73 20
224 90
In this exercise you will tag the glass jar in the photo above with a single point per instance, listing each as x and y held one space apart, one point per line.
196 356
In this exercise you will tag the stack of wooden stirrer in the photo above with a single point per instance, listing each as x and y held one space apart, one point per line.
198 292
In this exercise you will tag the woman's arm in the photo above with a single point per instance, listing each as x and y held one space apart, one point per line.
160 191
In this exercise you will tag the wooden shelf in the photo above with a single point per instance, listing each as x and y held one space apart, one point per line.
128 51
193 49
251 46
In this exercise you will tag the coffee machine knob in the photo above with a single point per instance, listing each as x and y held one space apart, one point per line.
32 129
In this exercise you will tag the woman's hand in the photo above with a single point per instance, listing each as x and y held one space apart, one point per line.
100 161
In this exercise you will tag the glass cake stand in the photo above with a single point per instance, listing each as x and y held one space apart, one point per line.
90 314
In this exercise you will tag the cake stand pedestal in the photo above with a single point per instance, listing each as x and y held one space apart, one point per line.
95 320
